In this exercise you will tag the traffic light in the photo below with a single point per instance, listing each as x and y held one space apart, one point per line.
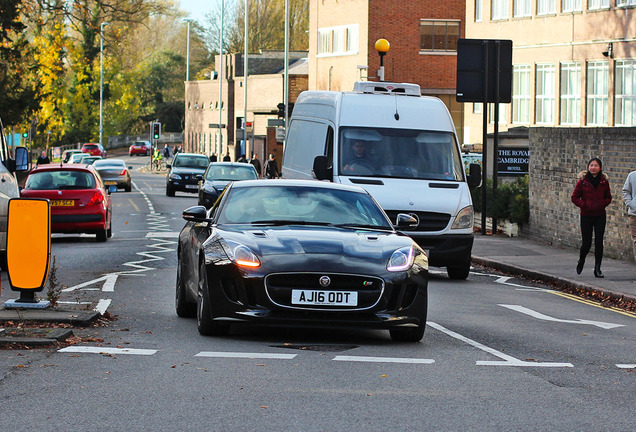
25 134
281 110
156 130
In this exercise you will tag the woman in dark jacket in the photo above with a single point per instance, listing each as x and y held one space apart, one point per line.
592 194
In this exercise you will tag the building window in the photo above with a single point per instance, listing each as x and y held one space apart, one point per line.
335 41
625 3
499 9
478 10
502 113
544 94
477 107
546 7
597 4
439 35
521 94
625 94
570 93
522 8
597 92
572 5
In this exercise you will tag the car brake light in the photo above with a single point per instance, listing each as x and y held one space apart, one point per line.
123 172
97 198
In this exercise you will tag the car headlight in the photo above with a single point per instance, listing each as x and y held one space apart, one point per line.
465 218
241 254
401 259
175 177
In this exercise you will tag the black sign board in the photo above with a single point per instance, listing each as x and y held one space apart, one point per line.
513 160
476 60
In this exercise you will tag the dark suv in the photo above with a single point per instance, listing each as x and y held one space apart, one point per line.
186 170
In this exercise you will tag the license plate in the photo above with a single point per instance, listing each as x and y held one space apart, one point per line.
191 186
324 298
62 203
108 183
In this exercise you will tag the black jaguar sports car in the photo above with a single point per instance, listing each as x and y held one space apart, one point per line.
300 253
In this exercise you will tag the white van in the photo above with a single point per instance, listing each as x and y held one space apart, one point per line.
8 187
402 148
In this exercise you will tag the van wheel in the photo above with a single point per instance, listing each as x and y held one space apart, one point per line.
459 272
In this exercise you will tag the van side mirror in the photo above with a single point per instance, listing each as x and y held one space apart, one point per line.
22 162
474 175
321 171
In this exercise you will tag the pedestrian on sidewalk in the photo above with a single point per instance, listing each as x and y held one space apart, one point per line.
592 195
629 196
271 167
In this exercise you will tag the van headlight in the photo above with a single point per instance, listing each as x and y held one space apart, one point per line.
465 218
401 259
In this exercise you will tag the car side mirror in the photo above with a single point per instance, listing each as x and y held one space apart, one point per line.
195 214
321 170
405 221
474 175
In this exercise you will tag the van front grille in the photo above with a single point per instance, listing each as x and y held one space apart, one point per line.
429 221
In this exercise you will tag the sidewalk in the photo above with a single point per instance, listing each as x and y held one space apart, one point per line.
550 264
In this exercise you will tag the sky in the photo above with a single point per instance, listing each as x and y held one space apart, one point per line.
198 8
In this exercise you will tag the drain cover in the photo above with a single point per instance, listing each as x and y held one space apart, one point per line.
324 348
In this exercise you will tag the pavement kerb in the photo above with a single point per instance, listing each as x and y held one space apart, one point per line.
548 278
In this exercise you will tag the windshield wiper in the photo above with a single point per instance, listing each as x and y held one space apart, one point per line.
362 226
279 222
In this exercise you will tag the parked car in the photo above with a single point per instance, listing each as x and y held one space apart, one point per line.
66 155
80 202
77 158
94 149
185 172
142 148
218 175
300 253
114 173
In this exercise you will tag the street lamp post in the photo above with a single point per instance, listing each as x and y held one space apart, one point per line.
382 47
248 150
188 20
101 81
220 141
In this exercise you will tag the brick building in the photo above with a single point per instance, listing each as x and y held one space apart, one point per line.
265 85
423 37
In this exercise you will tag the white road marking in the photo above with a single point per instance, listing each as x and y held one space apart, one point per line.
538 315
383 359
74 302
104 350
164 234
508 360
626 366
222 354
102 306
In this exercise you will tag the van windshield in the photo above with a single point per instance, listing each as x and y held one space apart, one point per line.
399 153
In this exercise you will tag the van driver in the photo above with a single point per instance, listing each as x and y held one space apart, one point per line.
360 163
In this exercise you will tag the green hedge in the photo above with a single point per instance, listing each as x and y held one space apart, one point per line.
511 203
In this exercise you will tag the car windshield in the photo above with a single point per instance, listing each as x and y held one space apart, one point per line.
399 153
141 143
54 180
90 146
281 205
191 162
230 172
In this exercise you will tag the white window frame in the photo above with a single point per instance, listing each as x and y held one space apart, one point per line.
621 3
625 93
446 24
522 8
338 41
499 9
597 4
597 90
546 7
503 113
571 5
544 93
521 76
477 107
570 93
478 10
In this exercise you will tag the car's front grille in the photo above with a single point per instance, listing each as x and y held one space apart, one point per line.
429 221
279 288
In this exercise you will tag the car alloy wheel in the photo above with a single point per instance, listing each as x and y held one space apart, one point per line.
205 324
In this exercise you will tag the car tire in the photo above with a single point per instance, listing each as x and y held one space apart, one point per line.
458 272
185 309
169 191
128 188
3 261
109 231
102 235
205 324
411 334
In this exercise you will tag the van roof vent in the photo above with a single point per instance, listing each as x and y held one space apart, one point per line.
387 88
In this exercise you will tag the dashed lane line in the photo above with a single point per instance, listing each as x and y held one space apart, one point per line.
224 354
383 359
103 350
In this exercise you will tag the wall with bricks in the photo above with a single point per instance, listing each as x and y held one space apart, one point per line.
557 155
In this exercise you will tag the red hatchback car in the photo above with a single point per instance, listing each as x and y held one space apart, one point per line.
142 148
80 203
94 149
